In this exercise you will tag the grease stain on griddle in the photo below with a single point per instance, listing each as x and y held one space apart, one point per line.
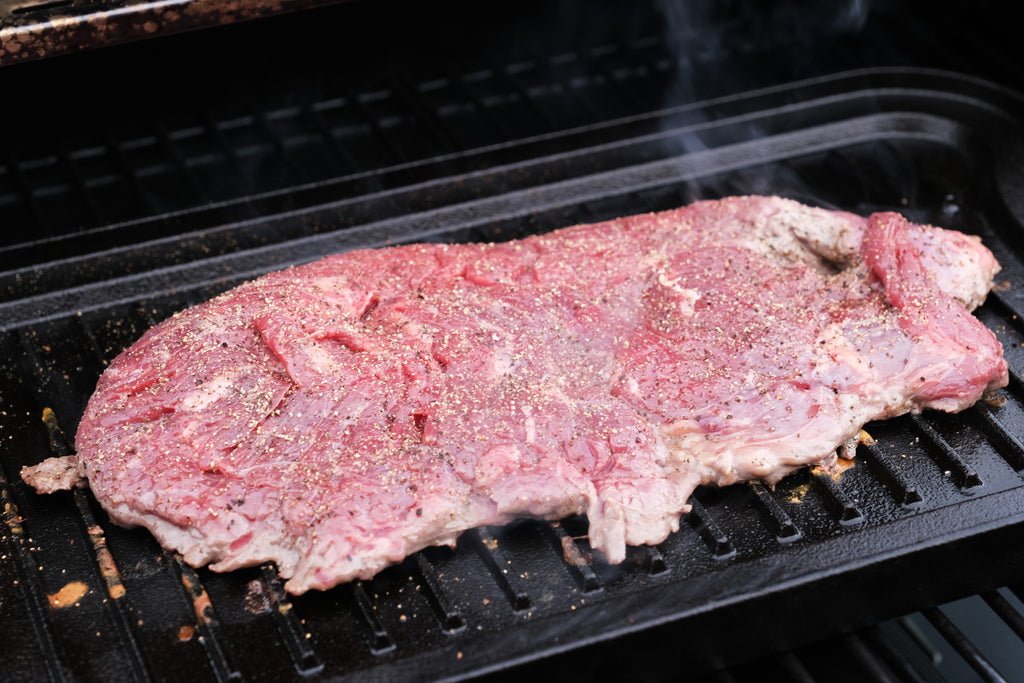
797 493
69 595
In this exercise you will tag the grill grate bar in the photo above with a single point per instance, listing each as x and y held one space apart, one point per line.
920 639
337 150
905 491
378 132
837 501
426 115
296 640
1002 607
79 184
895 658
115 586
792 665
525 96
278 144
230 153
494 559
963 645
206 622
871 659
22 188
481 110
116 151
962 473
445 610
576 560
1005 442
27 570
117 606
181 166
777 519
380 640
709 531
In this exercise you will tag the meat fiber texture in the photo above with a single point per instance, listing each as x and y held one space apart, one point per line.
338 416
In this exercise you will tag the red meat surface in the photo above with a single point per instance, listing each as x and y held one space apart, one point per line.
337 416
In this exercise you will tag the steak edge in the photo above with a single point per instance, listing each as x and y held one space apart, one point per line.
340 415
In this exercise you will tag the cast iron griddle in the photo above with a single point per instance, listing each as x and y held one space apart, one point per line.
932 511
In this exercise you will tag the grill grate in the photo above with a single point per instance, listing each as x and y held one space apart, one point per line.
163 206
931 490
268 122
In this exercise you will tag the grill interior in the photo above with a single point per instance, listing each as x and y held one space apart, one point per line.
157 210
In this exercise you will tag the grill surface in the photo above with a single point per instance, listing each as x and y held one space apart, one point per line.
772 567
163 207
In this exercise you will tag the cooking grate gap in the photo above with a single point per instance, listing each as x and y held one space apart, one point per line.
963 645
709 531
837 500
905 491
379 639
960 471
295 638
486 546
577 560
775 518
27 578
207 623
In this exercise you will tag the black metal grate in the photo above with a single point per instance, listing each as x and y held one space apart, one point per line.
354 130
775 568
89 163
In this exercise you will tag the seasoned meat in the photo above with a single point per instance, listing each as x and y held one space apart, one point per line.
337 416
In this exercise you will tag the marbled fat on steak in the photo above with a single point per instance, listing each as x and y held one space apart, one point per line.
337 416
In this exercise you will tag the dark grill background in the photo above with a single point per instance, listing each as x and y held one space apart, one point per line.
130 192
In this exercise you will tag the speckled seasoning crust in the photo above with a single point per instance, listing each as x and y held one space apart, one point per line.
338 416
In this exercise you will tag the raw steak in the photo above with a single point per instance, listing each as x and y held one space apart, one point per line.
337 416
